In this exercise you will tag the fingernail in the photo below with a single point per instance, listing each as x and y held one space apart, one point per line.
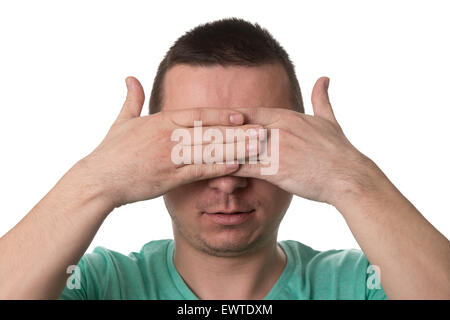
327 83
128 83
236 118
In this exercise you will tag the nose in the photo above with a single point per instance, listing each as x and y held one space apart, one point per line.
227 184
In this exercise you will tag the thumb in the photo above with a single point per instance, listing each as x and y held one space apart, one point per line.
135 99
320 100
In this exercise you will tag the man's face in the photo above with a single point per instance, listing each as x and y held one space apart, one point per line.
193 206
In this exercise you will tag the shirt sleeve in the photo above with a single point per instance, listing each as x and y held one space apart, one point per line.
90 276
374 290
344 274
75 287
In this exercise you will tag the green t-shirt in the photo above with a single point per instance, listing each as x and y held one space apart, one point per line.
151 274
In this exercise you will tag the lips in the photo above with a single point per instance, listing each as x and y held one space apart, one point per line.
237 211
230 217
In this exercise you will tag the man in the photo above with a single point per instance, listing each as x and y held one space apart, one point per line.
227 74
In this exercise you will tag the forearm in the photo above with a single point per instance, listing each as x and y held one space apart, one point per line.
35 254
413 257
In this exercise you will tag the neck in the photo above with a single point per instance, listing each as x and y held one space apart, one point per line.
247 276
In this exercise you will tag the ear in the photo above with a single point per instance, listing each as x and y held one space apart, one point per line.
135 100
320 100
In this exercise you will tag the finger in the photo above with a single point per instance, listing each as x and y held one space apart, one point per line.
261 115
134 101
197 172
320 100
241 152
262 165
208 117
220 134
249 170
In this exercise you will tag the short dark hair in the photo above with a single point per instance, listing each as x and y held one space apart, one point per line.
225 42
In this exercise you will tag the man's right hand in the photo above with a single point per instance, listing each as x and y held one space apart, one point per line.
133 163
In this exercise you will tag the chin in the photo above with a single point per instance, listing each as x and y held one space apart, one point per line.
228 243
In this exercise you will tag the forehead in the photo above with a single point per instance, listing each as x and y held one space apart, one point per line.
188 86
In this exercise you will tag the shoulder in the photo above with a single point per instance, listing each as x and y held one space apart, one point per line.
108 274
101 255
105 261
154 247
335 259
332 274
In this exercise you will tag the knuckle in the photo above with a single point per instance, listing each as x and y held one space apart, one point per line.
167 116
224 116
300 117
252 112
163 114
282 133
286 112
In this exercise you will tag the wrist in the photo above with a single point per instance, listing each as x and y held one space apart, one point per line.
365 182
87 184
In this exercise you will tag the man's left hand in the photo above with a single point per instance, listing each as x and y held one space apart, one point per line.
316 160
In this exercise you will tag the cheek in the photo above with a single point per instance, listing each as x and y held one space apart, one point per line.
182 199
275 201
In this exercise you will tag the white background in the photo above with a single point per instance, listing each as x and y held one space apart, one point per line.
62 71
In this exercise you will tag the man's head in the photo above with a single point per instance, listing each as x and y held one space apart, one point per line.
226 64
228 42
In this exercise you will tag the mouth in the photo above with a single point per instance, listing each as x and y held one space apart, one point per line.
230 218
